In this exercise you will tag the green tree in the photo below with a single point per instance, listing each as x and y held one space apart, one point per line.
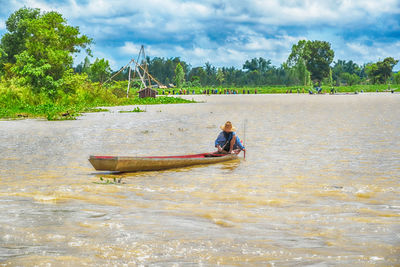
350 79
3 60
259 64
317 56
330 78
100 70
381 71
195 80
179 78
302 73
13 42
220 76
199 72
297 53
211 73
396 78
342 66
297 74
386 67
48 47
83 66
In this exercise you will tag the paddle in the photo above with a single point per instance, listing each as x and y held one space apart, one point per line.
244 138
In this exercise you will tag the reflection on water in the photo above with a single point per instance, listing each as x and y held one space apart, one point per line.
319 186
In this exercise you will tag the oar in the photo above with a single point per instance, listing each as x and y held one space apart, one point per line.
244 138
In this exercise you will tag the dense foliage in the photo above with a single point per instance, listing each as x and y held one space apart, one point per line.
39 50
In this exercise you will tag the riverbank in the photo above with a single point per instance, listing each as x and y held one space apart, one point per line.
278 89
18 102
53 111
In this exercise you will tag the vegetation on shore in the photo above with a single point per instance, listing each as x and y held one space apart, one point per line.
20 102
280 89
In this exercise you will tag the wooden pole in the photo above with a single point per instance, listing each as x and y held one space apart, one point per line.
129 81
244 138
109 79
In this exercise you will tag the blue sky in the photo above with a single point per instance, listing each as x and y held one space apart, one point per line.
227 32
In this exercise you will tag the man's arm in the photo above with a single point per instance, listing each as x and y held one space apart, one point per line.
233 141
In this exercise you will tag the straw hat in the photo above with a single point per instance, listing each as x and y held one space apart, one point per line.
228 127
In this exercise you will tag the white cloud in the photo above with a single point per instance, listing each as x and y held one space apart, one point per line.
377 51
2 25
233 53
332 12
224 32
130 48
358 48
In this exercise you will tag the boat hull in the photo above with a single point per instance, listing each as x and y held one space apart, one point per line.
132 164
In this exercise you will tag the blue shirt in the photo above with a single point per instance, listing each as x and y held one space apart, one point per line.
224 137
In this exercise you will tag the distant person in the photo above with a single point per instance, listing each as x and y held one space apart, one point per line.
227 141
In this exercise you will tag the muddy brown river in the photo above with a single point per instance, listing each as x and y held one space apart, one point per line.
319 185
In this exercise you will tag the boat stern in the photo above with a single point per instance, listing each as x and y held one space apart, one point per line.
104 163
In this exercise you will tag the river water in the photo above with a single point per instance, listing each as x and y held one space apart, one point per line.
319 185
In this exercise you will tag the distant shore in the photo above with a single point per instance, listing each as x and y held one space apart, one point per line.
219 90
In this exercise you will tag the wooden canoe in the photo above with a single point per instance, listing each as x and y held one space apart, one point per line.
132 164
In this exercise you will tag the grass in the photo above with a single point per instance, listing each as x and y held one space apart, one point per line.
53 111
137 109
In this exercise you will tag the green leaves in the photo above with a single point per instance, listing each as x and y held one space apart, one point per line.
381 71
396 78
41 46
100 70
259 64
179 76
317 56
13 42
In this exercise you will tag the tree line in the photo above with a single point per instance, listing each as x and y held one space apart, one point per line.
310 63
37 51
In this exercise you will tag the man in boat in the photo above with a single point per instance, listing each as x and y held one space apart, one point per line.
227 141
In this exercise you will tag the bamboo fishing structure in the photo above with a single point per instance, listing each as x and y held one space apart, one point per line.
142 72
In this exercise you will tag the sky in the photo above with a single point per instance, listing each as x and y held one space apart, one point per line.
226 33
